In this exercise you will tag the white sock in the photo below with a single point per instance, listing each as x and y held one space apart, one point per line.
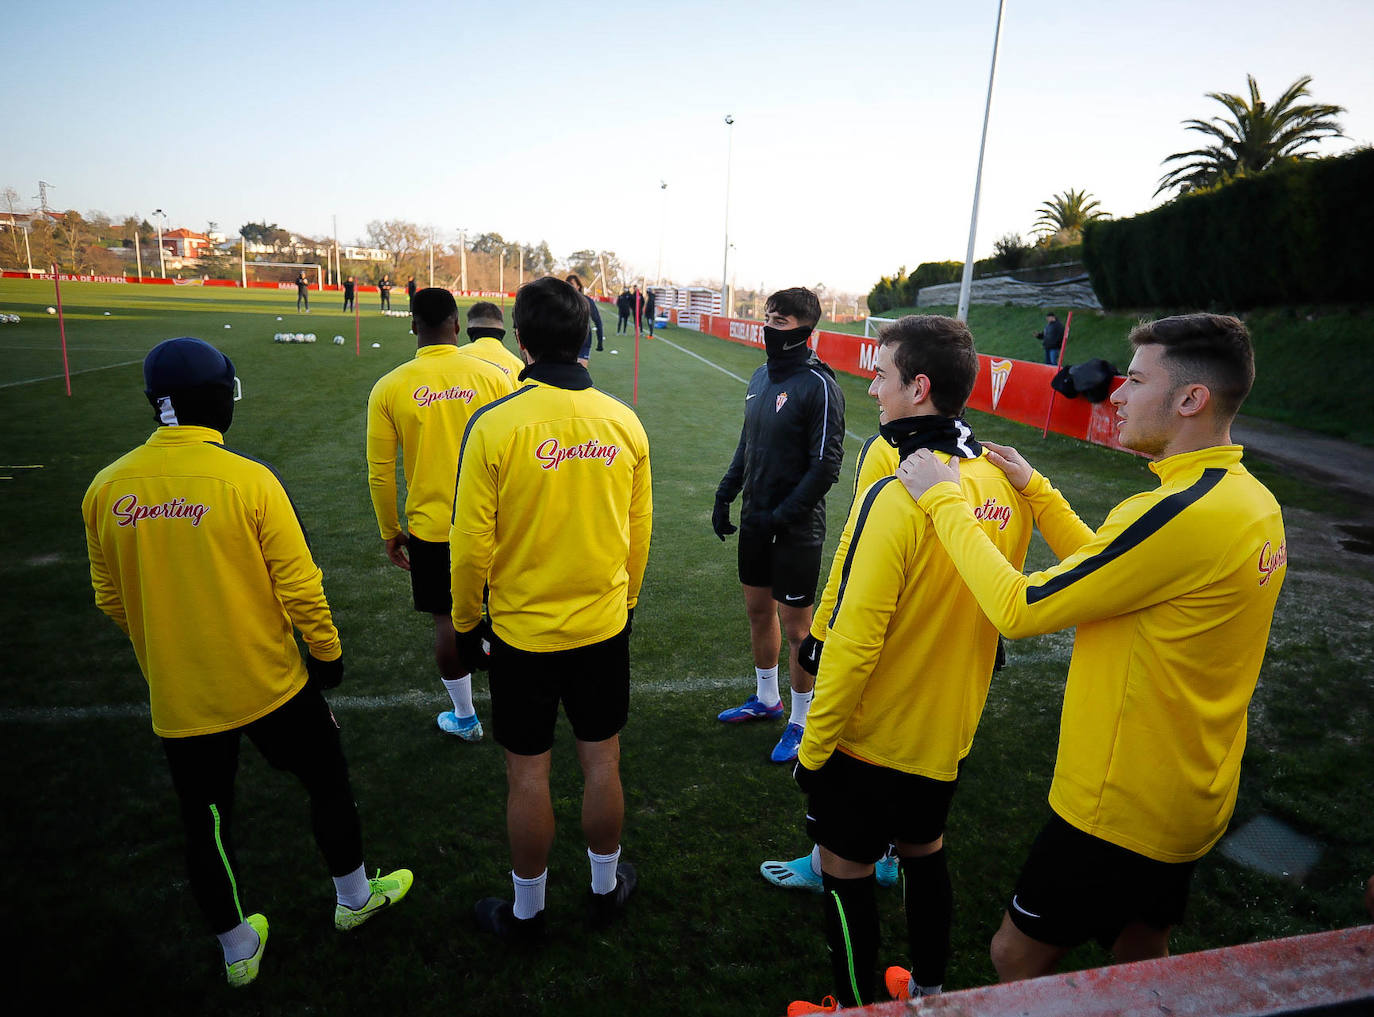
529 894
239 943
460 691
353 890
768 685
801 706
603 870
816 859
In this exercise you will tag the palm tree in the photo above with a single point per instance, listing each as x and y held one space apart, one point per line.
1252 138
1065 214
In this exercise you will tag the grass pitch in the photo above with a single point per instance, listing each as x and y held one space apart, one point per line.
91 839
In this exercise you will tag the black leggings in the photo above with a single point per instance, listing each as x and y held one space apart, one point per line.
300 737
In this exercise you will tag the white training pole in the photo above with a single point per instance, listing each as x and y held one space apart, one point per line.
967 283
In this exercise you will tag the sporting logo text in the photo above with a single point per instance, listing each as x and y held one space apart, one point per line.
425 397
551 455
130 513
990 511
1270 561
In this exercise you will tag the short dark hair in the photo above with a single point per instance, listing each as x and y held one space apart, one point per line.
551 319
1208 349
797 302
574 280
484 310
940 348
433 306
1051 314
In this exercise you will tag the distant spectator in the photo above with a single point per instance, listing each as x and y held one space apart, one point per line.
349 288
649 311
410 294
1052 338
384 288
584 356
302 293
624 304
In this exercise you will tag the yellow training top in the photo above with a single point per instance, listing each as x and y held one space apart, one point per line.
494 351
1173 598
877 459
908 653
424 405
554 511
198 555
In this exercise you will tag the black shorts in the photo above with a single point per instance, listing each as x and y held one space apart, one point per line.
431 583
789 570
858 809
592 682
1075 887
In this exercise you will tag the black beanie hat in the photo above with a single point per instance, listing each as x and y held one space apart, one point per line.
188 381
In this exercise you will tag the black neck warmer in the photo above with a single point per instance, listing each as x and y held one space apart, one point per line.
787 350
572 376
482 332
941 434
205 406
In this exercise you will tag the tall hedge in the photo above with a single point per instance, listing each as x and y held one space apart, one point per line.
1302 232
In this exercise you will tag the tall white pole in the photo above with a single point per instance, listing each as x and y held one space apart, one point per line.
522 265
161 254
967 283
725 267
138 253
463 258
28 255
243 259
338 275
501 272
663 225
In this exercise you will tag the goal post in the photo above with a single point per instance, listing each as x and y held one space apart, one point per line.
873 324
316 266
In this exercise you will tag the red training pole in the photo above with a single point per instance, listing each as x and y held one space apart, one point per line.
357 327
1063 348
634 398
62 330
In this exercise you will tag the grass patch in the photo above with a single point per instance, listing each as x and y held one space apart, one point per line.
90 815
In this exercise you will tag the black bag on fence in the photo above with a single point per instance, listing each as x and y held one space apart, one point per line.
1091 379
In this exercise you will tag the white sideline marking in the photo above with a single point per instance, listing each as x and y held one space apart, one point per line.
415 698
709 363
84 370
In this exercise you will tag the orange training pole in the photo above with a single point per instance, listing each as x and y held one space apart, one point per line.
1063 348
62 330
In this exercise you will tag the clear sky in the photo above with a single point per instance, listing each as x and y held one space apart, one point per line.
854 146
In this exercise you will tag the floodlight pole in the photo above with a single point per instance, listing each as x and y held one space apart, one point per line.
28 254
161 259
243 259
725 268
338 275
967 282
138 253
663 225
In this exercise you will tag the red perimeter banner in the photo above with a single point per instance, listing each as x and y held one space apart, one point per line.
1015 389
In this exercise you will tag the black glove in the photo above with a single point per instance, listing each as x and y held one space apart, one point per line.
758 524
808 780
324 674
809 654
630 621
474 646
720 519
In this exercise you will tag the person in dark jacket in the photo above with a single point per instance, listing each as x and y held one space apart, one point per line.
649 311
790 451
384 291
350 288
584 356
302 293
1052 338
625 305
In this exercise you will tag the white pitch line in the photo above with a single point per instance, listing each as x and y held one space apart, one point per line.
84 370
415 698
710 363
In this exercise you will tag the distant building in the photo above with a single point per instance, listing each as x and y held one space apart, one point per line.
185 244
